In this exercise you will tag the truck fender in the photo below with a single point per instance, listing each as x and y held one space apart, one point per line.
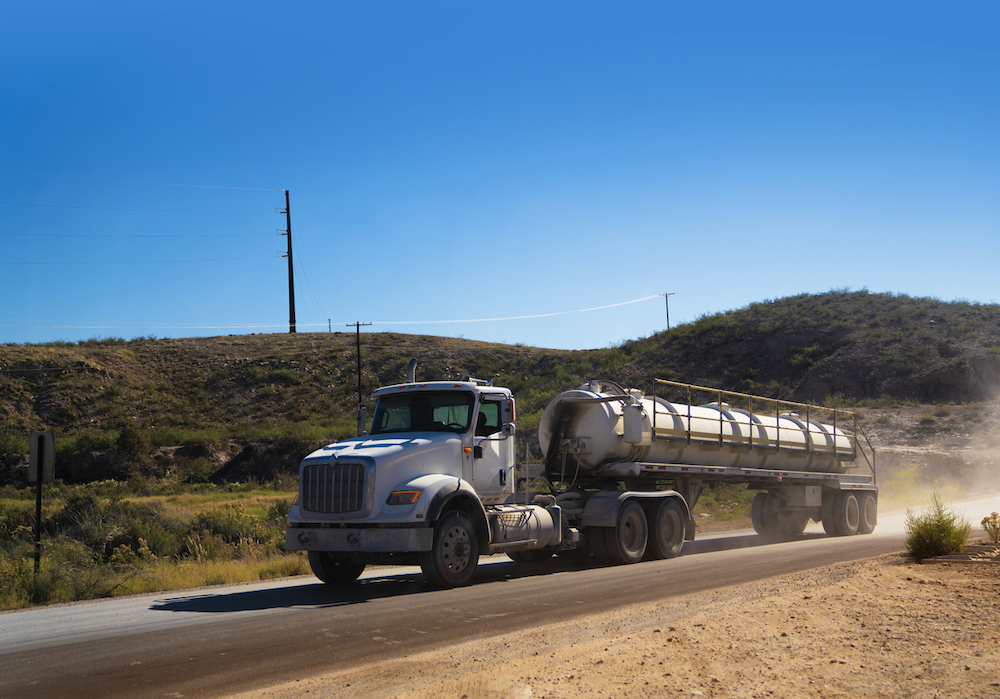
602 508
460 495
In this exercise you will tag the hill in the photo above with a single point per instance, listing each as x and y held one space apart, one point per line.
252 405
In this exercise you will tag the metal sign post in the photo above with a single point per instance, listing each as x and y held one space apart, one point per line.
41 469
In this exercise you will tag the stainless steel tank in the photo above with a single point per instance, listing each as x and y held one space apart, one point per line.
605 428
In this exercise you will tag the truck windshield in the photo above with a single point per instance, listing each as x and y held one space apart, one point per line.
429 411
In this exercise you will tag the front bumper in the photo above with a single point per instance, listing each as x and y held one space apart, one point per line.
402 540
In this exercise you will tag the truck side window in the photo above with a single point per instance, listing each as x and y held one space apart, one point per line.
488 421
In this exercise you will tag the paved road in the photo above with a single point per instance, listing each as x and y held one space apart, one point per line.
216 641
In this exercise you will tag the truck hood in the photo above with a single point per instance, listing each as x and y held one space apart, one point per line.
424 448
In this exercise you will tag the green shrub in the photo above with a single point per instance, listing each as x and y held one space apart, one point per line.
936 532
992 526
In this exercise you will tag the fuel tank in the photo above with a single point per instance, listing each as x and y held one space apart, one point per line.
581 431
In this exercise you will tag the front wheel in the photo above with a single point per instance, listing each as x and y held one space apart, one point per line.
453 558
333 569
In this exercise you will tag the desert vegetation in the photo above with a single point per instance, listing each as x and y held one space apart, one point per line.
166 447
113 538
935 531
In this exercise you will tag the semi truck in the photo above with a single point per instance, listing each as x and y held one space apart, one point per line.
434 480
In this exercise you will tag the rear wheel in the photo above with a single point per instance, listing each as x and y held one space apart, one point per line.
868 506
333 569
775 524
453 557
826 514
757 513
626 541
666 529
847 514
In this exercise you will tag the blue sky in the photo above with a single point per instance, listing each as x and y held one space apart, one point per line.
456 161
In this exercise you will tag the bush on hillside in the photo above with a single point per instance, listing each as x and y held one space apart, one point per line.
935 532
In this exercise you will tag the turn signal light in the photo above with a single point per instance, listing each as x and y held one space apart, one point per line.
402 497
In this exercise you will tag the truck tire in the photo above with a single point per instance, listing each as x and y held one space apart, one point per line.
529 556
868 506
333 569
757 514
626 541
666 530
826 514
847 514
454 555
778 526
794 526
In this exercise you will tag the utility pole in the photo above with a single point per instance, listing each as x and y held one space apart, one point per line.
291 276
357 333
666 297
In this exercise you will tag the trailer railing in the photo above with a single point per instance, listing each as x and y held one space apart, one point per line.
861 451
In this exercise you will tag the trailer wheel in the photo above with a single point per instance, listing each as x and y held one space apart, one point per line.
846 514
333 569
626 541
454 555
757 514
666 530
869 513
795 525
826 514
530 556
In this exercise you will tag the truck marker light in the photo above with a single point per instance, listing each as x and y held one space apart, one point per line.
468 450
402 497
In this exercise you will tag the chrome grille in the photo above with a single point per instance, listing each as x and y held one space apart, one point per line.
333 488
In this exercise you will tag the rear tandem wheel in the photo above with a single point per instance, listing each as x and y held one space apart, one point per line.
626 541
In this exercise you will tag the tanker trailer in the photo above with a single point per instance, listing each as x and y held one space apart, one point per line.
601 433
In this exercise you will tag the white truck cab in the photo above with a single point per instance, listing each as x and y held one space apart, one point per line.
433 448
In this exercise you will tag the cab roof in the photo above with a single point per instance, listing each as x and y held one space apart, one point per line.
438 386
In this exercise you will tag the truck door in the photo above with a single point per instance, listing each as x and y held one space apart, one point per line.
493 465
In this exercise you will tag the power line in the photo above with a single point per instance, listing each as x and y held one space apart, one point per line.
163 184
10 322
137 262
112 235
111 208
527 317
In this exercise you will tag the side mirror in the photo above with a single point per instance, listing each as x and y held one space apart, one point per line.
507 430
362 420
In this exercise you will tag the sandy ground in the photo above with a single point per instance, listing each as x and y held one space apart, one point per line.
883 627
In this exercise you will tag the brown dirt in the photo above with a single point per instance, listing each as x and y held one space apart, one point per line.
883 627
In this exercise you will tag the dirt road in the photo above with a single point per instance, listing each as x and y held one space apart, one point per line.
883 627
